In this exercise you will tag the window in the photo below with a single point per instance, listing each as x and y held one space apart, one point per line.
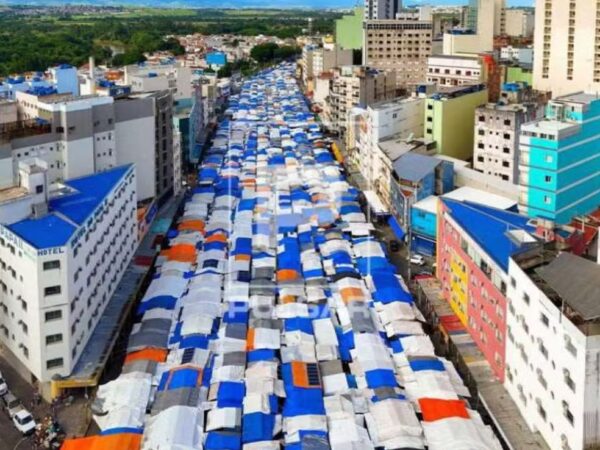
54 339
549 158
547 200
548 179
54 363
507 122
482 118
49 265
526 297
53 315
39 189
544 319
52 290
506 136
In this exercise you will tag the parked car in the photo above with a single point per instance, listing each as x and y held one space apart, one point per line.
417 259
23 421
3 385
11 404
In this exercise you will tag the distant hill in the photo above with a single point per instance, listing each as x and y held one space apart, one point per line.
278 4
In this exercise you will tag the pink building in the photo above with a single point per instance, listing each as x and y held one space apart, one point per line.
473 248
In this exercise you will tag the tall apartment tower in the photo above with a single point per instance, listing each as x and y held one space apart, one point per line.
382 9
566 58
402 45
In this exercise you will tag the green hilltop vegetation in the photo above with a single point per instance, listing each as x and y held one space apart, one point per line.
36 40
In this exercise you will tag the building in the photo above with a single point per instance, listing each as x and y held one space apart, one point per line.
423 220
553 346
449 119
62 254
401 45
474 244
78 136
216 60
415 177
172 76
497 131
354 86
448 70
565 55
166 161
318 59
348 30
401 118
382 9
8 111
519 22
520 55
559 160
486 19
65 79
518 74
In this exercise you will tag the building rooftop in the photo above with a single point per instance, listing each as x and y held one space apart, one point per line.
428 204
491 228
69 211
578 97
394 102
469 194
414 167
547 126
577 281
12 193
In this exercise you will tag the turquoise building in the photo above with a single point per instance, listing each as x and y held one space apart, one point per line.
559 161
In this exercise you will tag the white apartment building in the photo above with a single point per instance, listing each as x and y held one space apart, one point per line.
566 56
174 77
401 45
446 70
496 141
79 136
519 22
486 20
521 55
400 118
63 250
353 86
553 346
316 60
382 9
8 111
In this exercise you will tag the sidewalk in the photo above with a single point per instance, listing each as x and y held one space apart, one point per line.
489 396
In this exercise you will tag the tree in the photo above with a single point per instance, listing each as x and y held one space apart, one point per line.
263 53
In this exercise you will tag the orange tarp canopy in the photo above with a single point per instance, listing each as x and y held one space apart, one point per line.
300 375
242 257
181 253
351 294
121 441
287 275
250 339
217 237
152 354
437 409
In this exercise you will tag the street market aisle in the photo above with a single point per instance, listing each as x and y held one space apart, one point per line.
275 318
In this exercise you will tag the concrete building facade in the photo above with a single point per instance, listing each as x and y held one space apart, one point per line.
566 58
348 30
382 9
62 254
401 45
449 119
354 86
519 22
559 161
448 70
497 131
553 346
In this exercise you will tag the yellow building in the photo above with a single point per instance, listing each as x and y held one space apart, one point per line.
459 284
450 119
